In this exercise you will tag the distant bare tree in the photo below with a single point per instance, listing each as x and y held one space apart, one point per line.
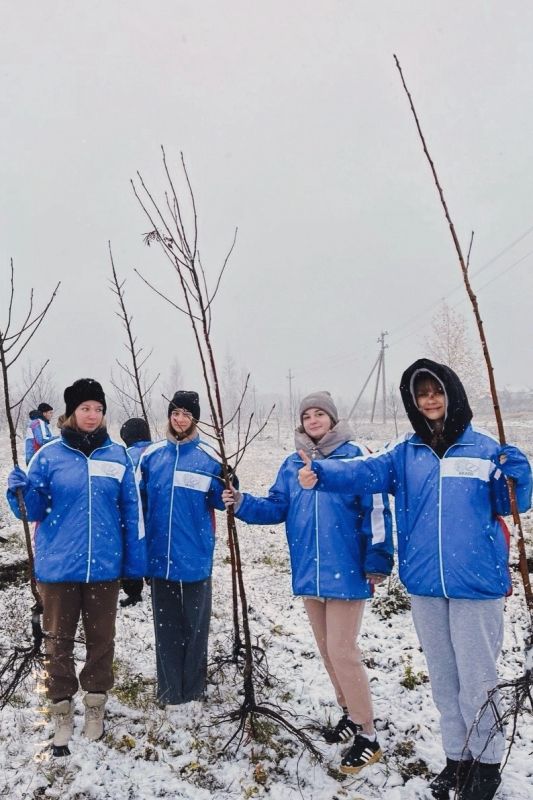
449 343
393 406
174 380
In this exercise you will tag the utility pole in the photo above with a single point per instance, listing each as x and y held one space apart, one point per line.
379 364
290 378
381 373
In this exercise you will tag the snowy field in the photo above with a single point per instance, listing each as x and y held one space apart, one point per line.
144 755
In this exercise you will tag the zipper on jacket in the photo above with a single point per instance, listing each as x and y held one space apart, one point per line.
439 522
317 548
441 565
88 458
171 509
439 527
90 510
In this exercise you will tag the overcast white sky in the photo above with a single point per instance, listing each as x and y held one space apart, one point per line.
295 128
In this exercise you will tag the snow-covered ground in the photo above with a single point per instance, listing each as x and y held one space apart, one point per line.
145 755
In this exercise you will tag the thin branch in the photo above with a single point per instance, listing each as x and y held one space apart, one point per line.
164 297
469 251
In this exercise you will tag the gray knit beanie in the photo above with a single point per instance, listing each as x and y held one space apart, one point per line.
322 400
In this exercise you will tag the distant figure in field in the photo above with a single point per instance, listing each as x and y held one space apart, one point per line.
38 431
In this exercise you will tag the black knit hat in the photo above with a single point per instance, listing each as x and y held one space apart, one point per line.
135 430
82 390
186 400
44 407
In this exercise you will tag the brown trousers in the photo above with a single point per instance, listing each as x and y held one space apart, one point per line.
63 603
336 625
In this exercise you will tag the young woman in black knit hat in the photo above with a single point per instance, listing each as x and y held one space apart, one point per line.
180 485
81 490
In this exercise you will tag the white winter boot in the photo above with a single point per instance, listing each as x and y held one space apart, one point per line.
62 717
94 715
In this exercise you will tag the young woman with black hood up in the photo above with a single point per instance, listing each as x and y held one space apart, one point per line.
81 490
449 483
339 545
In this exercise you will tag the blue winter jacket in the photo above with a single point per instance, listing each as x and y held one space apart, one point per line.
334 539
180 484
450 543
88 508
38 433
136 450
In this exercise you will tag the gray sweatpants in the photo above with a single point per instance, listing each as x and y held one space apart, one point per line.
461 640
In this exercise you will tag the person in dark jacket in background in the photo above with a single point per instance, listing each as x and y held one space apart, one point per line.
180 485
339 546
38 431
135 433
81 489
449 483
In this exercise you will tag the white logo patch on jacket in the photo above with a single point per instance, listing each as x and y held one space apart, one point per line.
106 469
192 480
460 467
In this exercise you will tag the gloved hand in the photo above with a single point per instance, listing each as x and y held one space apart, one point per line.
17 479
133 589
510 461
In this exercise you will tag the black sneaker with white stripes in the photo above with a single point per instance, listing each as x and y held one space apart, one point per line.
342 732
362 753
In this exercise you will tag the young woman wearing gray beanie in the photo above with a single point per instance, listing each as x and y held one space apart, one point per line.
339 545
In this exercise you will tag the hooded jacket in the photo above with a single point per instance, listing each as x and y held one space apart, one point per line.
180 484
88 509
38 433
334 539
450 543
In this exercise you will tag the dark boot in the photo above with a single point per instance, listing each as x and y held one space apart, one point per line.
453 776
482 782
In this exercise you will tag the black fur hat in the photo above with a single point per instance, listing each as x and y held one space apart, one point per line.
80 391
187 400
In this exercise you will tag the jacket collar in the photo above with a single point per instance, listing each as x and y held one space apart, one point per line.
466 438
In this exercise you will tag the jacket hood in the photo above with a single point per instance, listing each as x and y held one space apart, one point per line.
458 411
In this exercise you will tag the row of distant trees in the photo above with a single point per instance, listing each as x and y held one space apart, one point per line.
449 342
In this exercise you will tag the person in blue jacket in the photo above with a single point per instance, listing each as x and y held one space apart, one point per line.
38 431
135 433
81 490
339 545
180 483
449 480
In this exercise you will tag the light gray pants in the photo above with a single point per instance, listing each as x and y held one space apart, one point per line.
461 640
